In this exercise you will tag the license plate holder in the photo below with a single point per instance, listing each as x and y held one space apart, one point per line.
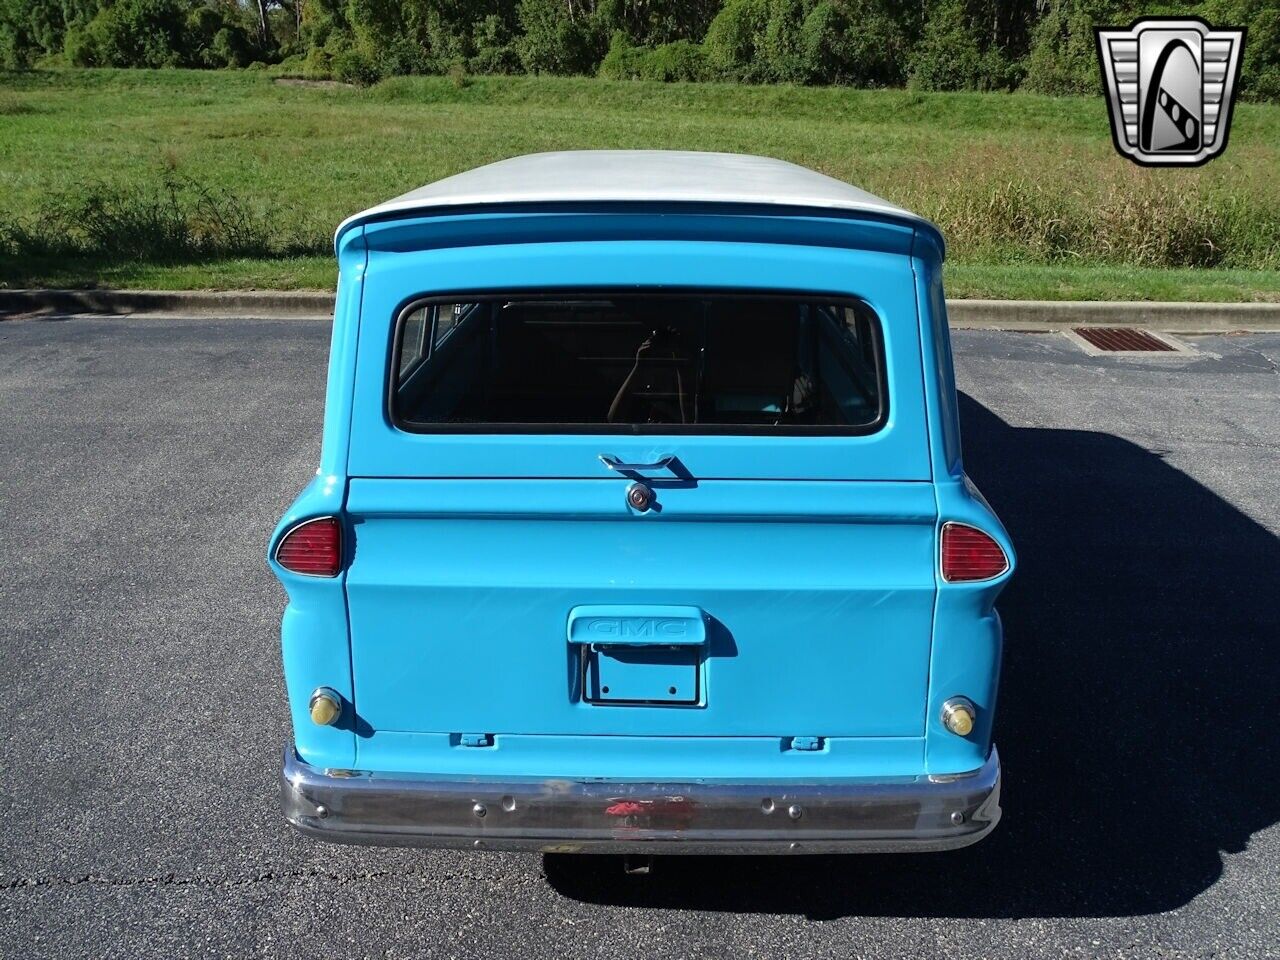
656 675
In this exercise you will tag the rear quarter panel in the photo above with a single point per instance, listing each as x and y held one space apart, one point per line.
314 636
967 634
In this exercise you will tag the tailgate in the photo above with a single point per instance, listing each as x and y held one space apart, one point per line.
815 598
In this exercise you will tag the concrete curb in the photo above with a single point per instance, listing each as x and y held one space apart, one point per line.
1034 315
1171 317
162 304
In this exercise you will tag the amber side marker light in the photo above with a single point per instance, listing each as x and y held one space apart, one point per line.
312 548
968 554
958 715
325 706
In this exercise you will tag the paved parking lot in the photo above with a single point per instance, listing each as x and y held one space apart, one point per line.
143 464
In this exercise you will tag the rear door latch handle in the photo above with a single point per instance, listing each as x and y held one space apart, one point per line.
613 463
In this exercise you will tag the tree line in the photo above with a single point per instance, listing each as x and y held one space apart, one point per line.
1041 45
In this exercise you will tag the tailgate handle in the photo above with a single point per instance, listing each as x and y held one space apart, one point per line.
637 626
613 463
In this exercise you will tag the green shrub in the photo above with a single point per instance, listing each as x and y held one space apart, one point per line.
780 46
493 43
556 40
734 40
33 31
16 49
680 60
617 63
139 33
949 55
318 64
430 36
222 36
671 62
655 23
856 42
1064 55
232 47
402 56
808 41
79 49
356 66
375 23
291 66
765 41
321 19
1260 67
160 33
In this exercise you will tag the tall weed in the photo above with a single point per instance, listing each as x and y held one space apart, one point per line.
1132 217
173 220
988 210
11 105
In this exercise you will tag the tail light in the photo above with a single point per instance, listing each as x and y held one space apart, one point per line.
969 554
313 547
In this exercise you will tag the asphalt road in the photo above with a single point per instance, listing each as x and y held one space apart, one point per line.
143 463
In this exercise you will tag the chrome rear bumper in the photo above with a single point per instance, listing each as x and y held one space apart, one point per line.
612 816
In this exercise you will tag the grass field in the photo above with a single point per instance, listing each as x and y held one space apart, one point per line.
181 179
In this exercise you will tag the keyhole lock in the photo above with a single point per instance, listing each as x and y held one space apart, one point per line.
639 496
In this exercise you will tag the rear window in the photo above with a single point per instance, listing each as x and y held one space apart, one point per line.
630 363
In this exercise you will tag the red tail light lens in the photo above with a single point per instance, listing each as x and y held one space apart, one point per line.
969 554
313 548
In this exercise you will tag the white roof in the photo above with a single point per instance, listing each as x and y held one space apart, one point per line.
653 176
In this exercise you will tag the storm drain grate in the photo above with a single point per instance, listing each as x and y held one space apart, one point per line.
1122 340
